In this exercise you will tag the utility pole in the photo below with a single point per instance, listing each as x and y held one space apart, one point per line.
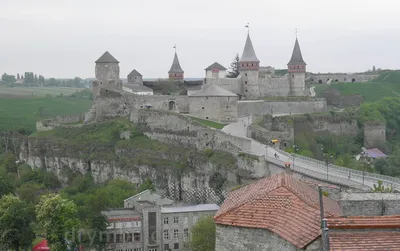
324 227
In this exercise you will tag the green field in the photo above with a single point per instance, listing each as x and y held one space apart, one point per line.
37 91
209 123
387 85
23 113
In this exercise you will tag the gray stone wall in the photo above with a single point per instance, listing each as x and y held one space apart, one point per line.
107 71
324 78
297 84
122 104
60 121
231 84
374 134
238 239
370 204
333 97
221 109
261 107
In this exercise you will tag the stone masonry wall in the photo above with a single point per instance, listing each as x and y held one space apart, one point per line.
177 129
59 121
370 204
374 134
221 109
260 107
230 238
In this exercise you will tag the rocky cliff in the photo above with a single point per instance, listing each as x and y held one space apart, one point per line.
182 173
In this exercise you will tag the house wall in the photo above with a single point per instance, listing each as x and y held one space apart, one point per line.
230 238
370 204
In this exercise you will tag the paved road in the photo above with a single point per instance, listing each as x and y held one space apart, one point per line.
239 129
312 91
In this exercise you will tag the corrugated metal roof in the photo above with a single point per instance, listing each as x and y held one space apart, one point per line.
192 208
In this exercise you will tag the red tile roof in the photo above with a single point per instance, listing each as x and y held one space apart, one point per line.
281 204
368 233
363 222
365 241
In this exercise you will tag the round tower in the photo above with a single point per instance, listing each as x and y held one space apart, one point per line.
297 72
249 67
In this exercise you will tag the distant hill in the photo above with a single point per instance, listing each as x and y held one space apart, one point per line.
386 85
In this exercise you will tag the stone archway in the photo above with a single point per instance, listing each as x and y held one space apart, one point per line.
171 105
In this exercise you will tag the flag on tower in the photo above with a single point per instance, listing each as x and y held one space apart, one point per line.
247 25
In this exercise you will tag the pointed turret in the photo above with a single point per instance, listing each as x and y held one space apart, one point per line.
176 72
106 58
296 63
249 60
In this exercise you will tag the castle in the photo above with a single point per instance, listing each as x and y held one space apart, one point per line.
216 98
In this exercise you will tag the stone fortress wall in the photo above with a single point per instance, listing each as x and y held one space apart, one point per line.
283 128
281 106
173 128
374 134
340 77
69 121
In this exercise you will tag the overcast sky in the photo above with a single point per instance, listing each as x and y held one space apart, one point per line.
63 38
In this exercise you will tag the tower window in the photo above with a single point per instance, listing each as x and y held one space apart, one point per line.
206 117
292 76
245 82
227 106
202 108
246 90
245 74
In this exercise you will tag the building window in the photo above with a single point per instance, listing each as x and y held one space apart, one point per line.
176 219
206 117
227 106
245 74
152 249
176 233
137 223
136 236
166 246
246 90
195 219
110 238
119 225
118 238
128 237
185 233
176 245
185 220
202 107
165 220
245 82
166 235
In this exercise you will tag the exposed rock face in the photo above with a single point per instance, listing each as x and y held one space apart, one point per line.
198 179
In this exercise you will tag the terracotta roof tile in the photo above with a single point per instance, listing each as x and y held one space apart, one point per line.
281 204
352 222
366 241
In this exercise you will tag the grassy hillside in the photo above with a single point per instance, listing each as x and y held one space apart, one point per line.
386 85
18 113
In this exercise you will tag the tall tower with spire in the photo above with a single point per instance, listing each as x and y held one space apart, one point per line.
176 72
249 67
297 72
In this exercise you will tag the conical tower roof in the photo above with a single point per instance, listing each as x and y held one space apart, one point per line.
297 58
107 58
176 67
249 54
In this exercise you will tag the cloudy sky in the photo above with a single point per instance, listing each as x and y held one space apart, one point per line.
63 38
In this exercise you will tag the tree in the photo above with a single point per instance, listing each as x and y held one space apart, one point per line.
58 217
9 162
380 188
10 79
203 235
234 68
17 75
97 231
15 223
6 186
29 192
